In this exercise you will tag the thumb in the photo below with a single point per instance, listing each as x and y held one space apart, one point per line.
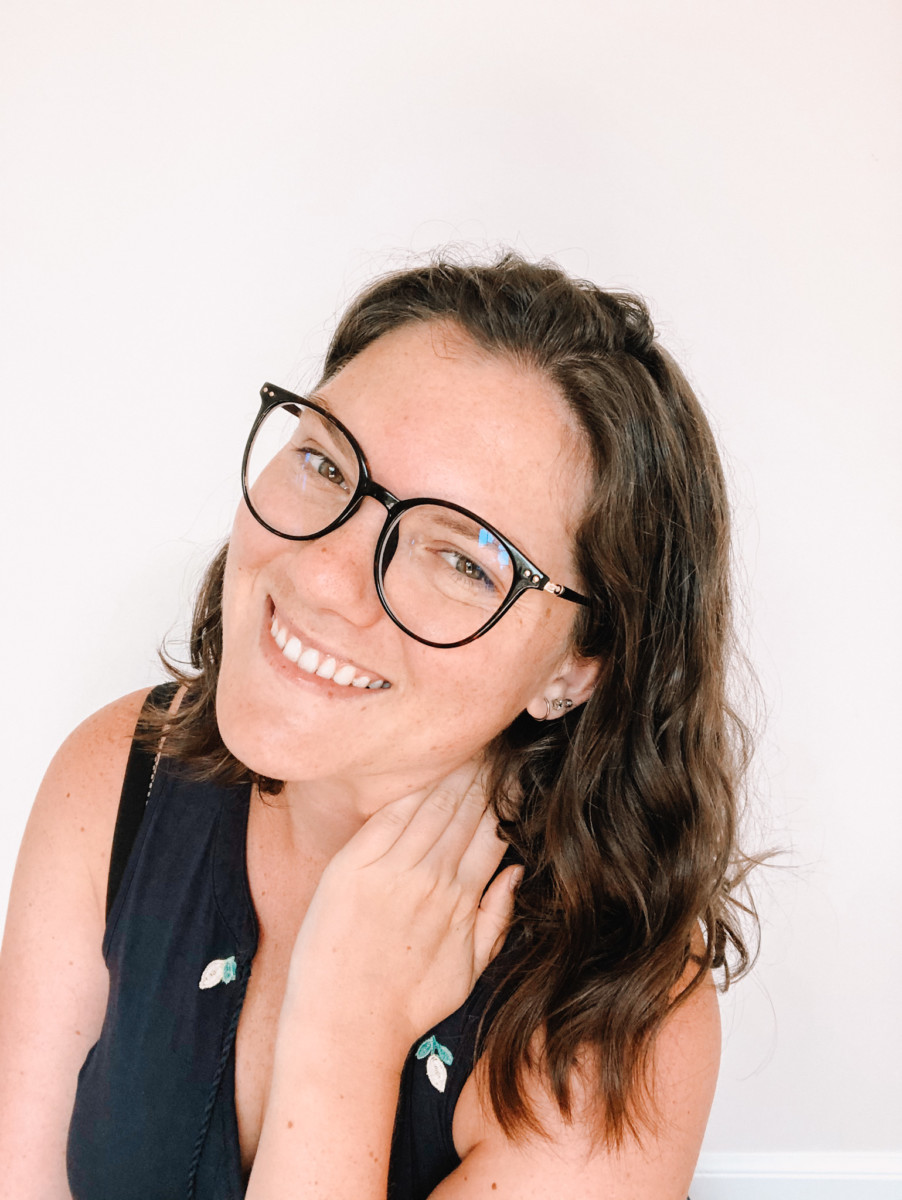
493 917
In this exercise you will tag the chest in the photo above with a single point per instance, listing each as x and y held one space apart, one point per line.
255 1048
281 886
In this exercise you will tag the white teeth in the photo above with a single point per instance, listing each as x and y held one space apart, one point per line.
326 668
314 663
309 660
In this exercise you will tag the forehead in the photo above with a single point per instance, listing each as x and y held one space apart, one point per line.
437 416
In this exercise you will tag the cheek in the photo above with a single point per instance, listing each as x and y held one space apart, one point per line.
248 543
473 698
250 547
240 631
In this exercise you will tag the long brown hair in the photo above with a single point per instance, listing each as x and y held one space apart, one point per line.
627 808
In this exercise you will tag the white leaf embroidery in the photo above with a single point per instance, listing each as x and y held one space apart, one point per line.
437 1072
212 973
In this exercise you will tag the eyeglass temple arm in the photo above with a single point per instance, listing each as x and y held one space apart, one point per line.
558 589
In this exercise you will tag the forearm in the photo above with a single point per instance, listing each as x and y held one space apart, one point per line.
331 1109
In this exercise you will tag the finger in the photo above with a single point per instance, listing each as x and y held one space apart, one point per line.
455 840
452 810
382 830
481 857
494 917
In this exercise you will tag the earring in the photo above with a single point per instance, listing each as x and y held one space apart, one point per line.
556 706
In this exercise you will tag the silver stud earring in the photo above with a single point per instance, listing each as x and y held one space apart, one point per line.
557 705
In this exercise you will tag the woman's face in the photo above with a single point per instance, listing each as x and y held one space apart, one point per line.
435 417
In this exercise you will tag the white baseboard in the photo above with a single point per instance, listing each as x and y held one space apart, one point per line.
809 1176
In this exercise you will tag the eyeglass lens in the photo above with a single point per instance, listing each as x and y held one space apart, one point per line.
301 471
443 574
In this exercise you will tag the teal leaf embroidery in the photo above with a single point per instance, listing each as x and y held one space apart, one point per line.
229 970
427 1047
444 1054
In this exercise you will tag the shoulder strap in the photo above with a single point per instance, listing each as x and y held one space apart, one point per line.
139 773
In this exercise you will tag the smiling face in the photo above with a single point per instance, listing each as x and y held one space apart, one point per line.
436 417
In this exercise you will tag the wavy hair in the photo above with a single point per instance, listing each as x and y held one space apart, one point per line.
627 808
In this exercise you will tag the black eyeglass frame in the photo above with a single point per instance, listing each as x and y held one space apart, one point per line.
527 575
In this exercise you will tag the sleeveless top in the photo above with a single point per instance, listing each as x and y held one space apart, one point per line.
154 1115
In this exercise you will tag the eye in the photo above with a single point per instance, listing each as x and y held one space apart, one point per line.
466 567
325 467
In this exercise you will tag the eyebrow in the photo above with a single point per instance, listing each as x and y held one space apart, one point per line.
457 523
323 402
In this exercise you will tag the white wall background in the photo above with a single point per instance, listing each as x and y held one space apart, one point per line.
194 188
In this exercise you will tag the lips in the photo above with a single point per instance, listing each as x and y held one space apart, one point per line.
312 661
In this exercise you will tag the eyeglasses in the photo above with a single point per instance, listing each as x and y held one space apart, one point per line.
442 574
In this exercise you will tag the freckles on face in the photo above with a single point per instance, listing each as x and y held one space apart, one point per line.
434 418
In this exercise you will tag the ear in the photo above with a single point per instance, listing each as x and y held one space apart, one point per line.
575 680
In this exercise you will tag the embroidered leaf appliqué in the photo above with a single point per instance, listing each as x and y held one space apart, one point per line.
220 970
212 974
436 1072
426 1047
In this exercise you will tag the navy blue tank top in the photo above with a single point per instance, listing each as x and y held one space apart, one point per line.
154 1115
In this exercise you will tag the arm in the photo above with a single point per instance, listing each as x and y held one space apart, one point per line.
685 1062
53 980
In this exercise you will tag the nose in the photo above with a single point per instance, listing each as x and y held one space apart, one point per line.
335 572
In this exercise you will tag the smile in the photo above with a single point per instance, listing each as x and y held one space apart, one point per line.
315 662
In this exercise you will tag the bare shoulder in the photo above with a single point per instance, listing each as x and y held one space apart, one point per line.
568 1160
79 796
99 745
64 858
53 980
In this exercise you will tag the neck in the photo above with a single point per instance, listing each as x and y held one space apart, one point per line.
315 818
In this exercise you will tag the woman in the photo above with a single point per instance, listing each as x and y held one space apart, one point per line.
423 892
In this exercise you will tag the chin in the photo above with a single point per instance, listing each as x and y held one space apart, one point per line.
261 740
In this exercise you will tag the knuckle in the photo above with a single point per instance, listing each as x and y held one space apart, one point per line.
444 801
392 818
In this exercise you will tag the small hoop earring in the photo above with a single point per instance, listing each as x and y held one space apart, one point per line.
557 705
